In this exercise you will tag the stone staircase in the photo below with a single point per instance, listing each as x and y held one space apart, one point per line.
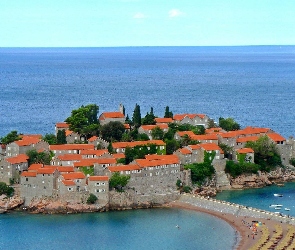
222 182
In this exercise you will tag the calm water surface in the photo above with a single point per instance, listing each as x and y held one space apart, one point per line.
136 229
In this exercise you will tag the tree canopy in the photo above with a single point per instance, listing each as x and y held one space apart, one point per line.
265 153
39 157
50 138
157 133
136 118
4 189
168 113
228 124
118 181
10 137
61 137
84 120
112 131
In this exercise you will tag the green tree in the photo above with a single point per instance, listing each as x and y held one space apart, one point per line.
112 131
171 146
142 137
237 168
200 171
118 181
110 148
50 138
6 190
10 137
92 199
292 162
228 124
136 118
61 137
265 153
149 119
168 113
39 157
157 133
84 120
199 130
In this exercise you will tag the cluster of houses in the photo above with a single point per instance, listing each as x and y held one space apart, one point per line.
78 169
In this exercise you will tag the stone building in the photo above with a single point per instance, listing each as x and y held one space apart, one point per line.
99 186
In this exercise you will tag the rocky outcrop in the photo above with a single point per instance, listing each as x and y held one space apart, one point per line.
206 191
48 206
10 203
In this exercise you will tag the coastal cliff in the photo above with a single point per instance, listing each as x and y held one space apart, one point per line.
9 203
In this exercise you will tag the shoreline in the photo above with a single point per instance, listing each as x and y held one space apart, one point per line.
245 238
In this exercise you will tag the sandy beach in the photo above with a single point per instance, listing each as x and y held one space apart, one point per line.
241 224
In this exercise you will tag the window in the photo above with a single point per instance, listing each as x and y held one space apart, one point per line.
27 179
97 184
70 189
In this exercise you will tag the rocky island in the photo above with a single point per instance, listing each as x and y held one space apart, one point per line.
111 162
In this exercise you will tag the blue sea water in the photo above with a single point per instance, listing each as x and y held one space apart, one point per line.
136 229
253 84
40 86
264 197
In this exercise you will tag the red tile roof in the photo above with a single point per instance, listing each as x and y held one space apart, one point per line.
185 151
69 157
124 168
150 127
162 157
28 174
45 170
105 115
245 150
27 140
210 146
17 159
276 137
119 156
35 167
71 147
213 130
163 120
75 175
62 125
183 133
127 126
98 178
37 136
68 182
97 152
93 138
92 161
212 137
137 143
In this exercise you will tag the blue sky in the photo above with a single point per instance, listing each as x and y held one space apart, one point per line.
109 23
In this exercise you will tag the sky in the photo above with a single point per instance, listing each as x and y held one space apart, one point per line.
116 23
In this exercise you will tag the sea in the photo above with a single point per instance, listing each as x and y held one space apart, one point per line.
255 85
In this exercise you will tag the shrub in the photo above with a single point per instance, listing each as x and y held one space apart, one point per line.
4 189
91 199
187 189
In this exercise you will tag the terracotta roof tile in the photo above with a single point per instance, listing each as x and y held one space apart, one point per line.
93 138
35 167
210 146
75 175
92 161
276 137
37 136
28 174
105 115
69 157
27 140
21 158
119 156
207 137
150 127
123 168
98 178
245 150
97 152
185 151
179 117
68 182
163 120
45 170
62 125
126 126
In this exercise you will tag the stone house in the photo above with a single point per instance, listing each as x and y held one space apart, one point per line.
147 129
61 126
71 183
94 166
185 156
107 117
95 153
24 145
70 148
99 186
66 159
245 155
180 134
12 167
242 141
209 138
72 137
98 142
192 119
38 184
